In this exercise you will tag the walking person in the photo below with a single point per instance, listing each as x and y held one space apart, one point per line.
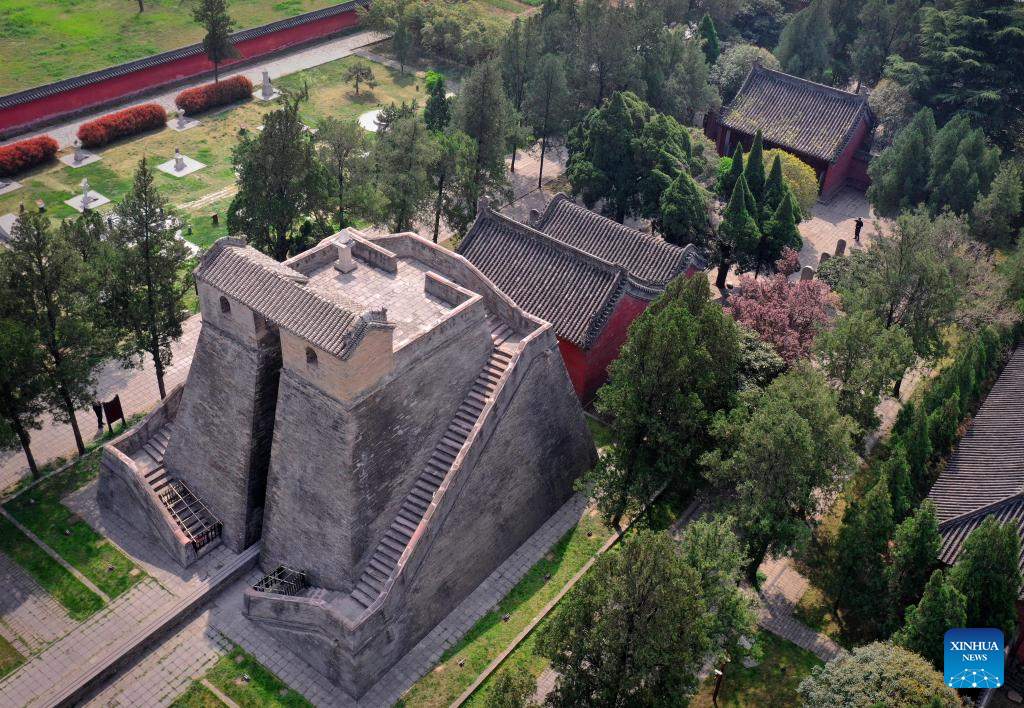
97 408
857 226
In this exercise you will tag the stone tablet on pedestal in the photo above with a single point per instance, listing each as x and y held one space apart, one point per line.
180 165
88 199
807 273
267 91
182 122
80 157
841 247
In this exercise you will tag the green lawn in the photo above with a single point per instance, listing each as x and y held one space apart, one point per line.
10 658
773 682
600 432
42 512
491 635
47 40
262 688
78 600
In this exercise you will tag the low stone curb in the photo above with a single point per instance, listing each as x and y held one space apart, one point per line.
221 696
148 634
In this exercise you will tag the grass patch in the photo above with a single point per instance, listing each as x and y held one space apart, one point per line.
601 433
773 682
490 635
42 512
815 610
10 658
197 696
78 600
263 688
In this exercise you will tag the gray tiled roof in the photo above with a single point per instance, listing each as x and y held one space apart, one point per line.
646 258
985 476
572 290
797 114
276 292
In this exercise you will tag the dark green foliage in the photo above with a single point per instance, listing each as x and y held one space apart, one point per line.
901 486
806 44
213 16
675 371
438 111
861 550
987 573
899 176
644 620
780 449
21 383
546 106
775 188
342 147
915 551
403 158
759 362
996 217
941 608
727 182
919 451
738 235
753 171
147 291
886 27
709 39
684 212
451 173
942 426
625 155
779 233
512 687
760 22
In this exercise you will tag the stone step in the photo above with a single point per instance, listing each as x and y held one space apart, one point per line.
372 583
154 453
388 554
405 524
394 540
361 596
379 566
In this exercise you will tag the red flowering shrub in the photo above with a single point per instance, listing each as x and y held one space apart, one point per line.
123 123
200 98
26 153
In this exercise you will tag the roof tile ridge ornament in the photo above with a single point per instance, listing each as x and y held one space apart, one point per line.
550 241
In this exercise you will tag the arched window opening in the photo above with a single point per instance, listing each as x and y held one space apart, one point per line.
311 360
225 306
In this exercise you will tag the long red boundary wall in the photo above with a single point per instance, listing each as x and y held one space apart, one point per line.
27 109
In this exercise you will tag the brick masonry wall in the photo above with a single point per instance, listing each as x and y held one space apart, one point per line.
215 434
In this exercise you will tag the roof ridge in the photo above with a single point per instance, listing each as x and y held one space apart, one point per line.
799 80
561 197
980 511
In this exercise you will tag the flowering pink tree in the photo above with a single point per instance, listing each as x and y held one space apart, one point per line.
786 315
789 261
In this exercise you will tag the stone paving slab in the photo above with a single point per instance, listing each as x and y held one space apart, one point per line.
782 589
30 618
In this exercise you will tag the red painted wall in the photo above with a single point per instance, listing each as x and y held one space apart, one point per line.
588 369
74 100
837 173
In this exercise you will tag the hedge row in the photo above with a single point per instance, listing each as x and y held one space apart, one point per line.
123 123
26 153
200 98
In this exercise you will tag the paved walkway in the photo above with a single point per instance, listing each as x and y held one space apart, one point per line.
138 391
278 66
780 593
30 618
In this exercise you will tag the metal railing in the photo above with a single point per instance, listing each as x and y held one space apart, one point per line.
283 581
192 516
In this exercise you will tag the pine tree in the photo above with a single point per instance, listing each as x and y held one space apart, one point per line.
148 289
899 175
996 216
942 606
901 486
806 43
404 157
709 39
518 52
483 112
861 551
738 235
437 112
919 451
684 212
213 16
943 424
754 174
915 552
547 105
778 234
728 181
988 575
962 167
22 385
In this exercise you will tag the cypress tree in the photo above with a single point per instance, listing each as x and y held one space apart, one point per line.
942 606
780 232
775 187
943 424
901 488
684 212
919 450
915 552
988 576
754 172
709 39
738 235
735 171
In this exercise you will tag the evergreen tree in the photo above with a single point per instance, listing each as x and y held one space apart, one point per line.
437 113
996 217
684 212
988 575
343 148
404 157
360 72
899 175
962 167
546 105
454 158
901 487
22 384
728 181
886 27
943 424
753 172
861 549
778 234
675 371
919 451
280 184
942 607
52 294
709 39
483 112
213 16
915 554
147 286
512 687
806 43
518 53
738 235
775 188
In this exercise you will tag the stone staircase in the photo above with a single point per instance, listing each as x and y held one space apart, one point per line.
194 519
385 558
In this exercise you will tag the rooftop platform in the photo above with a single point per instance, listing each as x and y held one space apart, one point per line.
403 293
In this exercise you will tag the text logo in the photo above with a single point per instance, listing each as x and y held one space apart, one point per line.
973 658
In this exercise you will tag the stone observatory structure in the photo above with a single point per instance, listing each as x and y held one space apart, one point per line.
385 421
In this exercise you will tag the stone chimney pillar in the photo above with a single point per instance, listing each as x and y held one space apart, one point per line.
345 263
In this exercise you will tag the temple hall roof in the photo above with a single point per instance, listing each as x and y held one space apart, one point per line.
985 475
799 115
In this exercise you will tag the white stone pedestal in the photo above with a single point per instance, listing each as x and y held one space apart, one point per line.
95 200
180 166
80 158
266 92
181 123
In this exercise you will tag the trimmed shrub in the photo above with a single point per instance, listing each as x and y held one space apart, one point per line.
198 99
800 177
121 124
26 153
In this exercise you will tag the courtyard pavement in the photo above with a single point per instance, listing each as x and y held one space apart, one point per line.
278 66
781 591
